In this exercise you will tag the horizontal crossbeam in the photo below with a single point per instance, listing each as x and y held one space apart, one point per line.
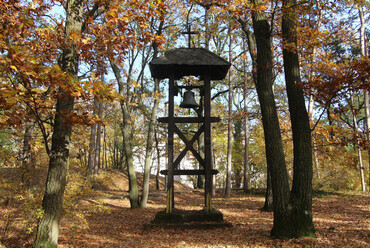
189 172
188 119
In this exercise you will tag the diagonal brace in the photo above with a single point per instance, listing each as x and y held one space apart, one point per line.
189 146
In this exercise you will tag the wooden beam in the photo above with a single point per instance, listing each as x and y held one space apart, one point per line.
189 172
171 124
188 119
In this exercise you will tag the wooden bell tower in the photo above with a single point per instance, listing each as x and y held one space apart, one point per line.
174 65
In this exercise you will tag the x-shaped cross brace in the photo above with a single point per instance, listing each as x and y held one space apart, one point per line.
189 146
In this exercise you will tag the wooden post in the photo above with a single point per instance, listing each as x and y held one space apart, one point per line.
207 143
171 123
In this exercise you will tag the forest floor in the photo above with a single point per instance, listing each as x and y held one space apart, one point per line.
103 218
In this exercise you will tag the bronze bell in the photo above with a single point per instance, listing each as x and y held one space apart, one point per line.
189 100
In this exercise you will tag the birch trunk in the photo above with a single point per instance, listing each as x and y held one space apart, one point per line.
364 52
359 153
229 124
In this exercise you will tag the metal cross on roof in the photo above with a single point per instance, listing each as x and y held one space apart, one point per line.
189 33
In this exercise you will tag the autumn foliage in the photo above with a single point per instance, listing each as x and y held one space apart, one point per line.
113 88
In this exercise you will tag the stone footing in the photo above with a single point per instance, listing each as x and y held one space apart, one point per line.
189 219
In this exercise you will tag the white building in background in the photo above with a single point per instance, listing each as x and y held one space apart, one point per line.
187 162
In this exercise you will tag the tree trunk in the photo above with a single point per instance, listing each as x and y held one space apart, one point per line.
229 124
151 127
48 227
315 156
113 156
364 52
26 152
367 116
361 164
158 160
268 206
246 128
126 131
273 141
311 100
149 146
105 162
97 162
92 146
301 194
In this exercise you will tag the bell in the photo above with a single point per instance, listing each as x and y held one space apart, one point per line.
189 100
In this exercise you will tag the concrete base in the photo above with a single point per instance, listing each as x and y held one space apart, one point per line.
189 220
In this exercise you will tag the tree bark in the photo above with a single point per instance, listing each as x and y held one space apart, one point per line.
301 193
48 227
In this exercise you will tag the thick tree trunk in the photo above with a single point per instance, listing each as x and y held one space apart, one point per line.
52 204
273 142
126 131
301 194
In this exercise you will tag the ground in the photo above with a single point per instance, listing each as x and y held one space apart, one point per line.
105 220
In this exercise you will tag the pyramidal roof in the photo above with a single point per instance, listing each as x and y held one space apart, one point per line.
189 62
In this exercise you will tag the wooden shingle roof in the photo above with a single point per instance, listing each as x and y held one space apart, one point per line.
189 62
